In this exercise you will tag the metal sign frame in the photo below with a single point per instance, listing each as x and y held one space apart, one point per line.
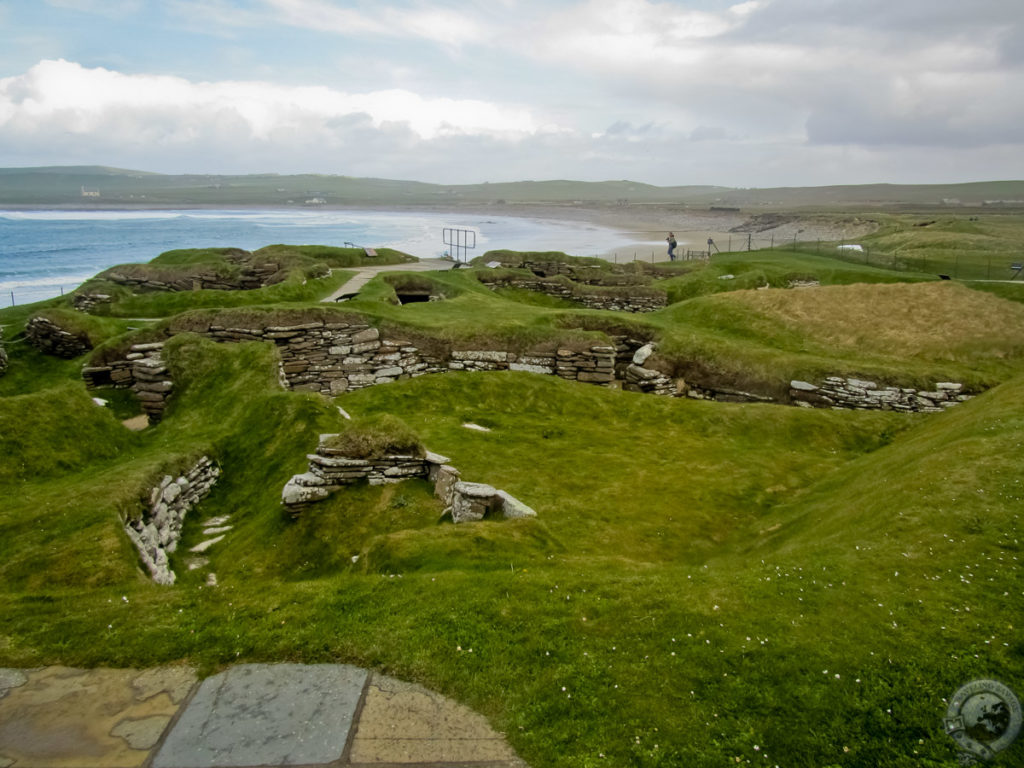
458 241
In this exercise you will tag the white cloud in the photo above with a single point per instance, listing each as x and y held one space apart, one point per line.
80 100
428 22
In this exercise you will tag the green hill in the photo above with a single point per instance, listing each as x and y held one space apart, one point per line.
705 584
98 186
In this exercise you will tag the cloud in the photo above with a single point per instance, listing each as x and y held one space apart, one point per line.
58 105
81 99
450 27
940 73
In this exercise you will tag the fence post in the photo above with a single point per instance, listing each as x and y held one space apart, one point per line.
748 241
794 243
12 298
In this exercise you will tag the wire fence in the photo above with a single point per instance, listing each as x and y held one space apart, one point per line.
27 295
954 264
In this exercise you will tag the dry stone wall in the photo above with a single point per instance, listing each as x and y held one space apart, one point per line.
3 354
248 277
87 302
49 338
332 358
156 532
144 371
330 471
621 300
860 394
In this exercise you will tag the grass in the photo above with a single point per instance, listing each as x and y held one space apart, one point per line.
965 246
375 437
705 583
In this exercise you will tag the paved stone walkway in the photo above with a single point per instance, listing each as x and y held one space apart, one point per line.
250 715
366 274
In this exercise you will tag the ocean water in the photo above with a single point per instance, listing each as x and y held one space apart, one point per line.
45 253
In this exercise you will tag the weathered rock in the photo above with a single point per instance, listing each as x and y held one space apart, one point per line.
641 355
512 508
158 529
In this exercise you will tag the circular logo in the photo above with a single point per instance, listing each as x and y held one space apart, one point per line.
984 718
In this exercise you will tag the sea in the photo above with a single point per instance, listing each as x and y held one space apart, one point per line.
45 253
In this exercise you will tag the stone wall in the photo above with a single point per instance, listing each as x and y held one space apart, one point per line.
150 379
249 276
859 394
156 532
87 302
595 365
3 354
621 300
49 338
330 471
332 358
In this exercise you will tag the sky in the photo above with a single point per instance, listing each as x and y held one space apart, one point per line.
762 93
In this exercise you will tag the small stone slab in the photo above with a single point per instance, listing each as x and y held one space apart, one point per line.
266 714
403 723
99 718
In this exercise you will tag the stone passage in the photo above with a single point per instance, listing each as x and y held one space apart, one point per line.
330 471
846 393
62 718
156 532
51 339
144 371
249 715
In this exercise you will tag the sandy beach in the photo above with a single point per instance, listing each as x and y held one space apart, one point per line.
647 226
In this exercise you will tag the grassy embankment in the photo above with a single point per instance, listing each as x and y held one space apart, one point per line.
706 583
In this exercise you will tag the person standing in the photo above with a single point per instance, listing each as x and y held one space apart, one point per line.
671 239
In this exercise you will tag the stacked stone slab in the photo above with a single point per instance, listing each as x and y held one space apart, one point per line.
593 366
151 380
644 300
248 278
850 393
3 354
329 471
647 302
156 532
87 302
639 378
336 357
49 338
119 375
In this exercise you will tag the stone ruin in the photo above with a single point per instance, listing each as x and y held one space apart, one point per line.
49 338
330 470
860 394
156 532
250 274
144 371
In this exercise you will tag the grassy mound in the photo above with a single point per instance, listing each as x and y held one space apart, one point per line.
705 584
375 437
55 432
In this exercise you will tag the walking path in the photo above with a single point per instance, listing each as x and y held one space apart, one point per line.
366 274
250 715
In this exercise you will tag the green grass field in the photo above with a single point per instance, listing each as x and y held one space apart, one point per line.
706 584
